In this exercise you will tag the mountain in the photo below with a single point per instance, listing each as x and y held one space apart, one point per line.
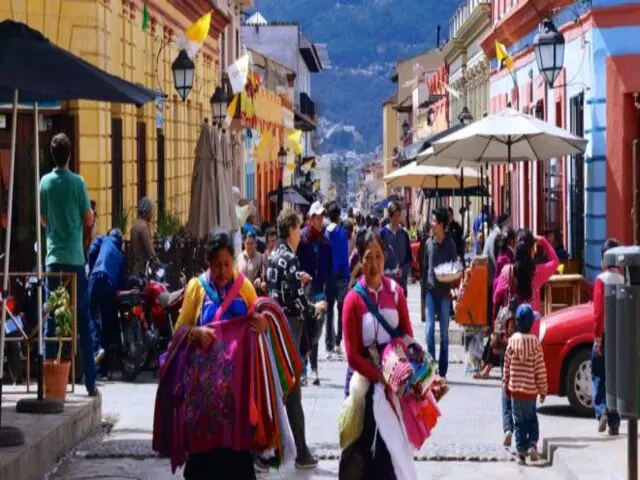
365 38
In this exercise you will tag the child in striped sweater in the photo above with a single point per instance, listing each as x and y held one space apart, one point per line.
524 379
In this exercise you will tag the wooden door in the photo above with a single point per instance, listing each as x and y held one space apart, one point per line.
141 160
116 169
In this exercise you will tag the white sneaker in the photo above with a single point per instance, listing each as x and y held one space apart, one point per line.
508 437
602 424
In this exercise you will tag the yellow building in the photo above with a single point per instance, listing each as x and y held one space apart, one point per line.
391 137
124 152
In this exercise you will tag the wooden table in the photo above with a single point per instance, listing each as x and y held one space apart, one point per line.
572 282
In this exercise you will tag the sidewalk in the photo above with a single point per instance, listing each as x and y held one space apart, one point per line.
48 437
597 456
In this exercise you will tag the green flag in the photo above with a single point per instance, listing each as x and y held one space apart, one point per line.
145 18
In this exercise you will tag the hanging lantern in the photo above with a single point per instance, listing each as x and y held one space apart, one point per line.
548 47
282 157
465 117
183 69
219 105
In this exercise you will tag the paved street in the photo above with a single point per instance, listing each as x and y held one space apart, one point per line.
466 443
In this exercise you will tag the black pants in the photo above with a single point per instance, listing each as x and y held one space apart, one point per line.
222 463
294 399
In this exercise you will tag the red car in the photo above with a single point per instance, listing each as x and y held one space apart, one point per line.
567 341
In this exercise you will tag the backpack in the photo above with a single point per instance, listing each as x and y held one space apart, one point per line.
504 324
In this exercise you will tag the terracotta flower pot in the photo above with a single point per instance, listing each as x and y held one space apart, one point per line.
56 375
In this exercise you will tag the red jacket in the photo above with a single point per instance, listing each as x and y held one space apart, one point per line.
608 276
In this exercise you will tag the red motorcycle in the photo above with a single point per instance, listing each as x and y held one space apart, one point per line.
147 313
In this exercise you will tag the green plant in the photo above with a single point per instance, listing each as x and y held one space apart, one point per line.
59 306
169 224
122 221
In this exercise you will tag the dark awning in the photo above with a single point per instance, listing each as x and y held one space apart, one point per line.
290 195
42 71
476 191
411 152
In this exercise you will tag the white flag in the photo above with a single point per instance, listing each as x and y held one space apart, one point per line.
238 72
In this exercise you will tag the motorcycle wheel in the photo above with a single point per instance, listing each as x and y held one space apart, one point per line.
135 349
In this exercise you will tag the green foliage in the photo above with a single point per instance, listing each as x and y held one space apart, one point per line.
59 306
169 224
365 38
122 221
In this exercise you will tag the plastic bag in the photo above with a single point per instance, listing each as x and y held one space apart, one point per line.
475 350
351 418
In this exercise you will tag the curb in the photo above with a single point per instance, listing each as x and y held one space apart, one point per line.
48 437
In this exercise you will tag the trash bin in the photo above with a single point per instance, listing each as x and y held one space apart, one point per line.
627 331
611 280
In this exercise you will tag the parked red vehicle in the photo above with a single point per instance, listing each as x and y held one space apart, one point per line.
567 339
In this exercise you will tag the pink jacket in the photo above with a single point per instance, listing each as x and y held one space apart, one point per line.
542 273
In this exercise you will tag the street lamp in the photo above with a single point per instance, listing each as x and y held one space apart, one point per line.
465 117
548 46
183 68
282 162
218 105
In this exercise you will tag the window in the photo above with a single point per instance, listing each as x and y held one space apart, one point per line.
553 181
141 160
237 43
116 169
223 60
575 182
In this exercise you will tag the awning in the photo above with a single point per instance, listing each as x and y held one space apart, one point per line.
411 152
476 191
290 195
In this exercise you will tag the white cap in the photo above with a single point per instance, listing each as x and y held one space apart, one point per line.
236 191
316 209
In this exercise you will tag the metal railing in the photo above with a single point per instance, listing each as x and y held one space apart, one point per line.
463 13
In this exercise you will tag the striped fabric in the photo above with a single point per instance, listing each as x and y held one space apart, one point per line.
525 374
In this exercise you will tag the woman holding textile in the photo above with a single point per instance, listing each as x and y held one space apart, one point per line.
368 457
206 300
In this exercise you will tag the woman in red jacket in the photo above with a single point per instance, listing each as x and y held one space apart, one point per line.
361 331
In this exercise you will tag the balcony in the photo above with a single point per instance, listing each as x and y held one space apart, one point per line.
464 12
305 114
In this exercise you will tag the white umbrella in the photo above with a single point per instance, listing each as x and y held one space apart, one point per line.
504 137
431 176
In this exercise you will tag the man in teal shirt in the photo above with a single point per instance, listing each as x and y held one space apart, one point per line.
66 214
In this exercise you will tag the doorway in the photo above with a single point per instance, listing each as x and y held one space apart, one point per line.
575 182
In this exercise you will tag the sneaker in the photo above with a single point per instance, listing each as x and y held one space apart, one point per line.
614 431
93 392
99 356
533 454
522 459
303 380
316 380
260 466
508 437
602 424
306 462
337 350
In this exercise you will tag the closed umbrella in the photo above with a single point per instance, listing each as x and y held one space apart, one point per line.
202 209
225 161
32 69
432 177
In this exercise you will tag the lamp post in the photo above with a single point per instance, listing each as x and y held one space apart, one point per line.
183 69
218 106
548 46
282 162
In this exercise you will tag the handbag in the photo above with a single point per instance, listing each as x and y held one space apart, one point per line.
504 325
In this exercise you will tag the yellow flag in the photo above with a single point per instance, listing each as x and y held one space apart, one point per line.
194 37
503 57
294 141
264 147
231 110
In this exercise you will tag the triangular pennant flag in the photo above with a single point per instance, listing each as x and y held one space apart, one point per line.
503 57
194 37
145 18
231 110
238 72
265 143
294 141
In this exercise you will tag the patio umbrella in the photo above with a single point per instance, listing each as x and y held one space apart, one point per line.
203 206
289 195
227 217
432 177
503 138
42 71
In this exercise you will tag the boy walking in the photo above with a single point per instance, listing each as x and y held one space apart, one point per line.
524 379
606 417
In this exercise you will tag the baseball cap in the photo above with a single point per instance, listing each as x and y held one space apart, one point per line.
525 315
316 209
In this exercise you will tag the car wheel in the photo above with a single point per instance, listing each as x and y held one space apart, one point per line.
579 384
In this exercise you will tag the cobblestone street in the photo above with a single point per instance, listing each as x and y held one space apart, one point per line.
466 443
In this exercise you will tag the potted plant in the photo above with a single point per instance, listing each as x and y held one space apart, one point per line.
56 372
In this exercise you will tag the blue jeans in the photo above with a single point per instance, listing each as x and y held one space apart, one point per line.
525 418
507 413
336 291
104 317
442 307
85 331
599 389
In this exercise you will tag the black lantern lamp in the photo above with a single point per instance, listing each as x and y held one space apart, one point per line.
183 69
465 117
282 157
548 46
218 105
